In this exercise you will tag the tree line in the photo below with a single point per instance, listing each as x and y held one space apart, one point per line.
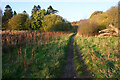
41 19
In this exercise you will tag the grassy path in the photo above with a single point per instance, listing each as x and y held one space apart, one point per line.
70 70
82 67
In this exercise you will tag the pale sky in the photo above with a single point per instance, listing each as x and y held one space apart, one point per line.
60 0
71 10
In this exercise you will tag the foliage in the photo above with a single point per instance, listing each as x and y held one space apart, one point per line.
87 28
51 10
19 22
53 22
8 14
119 15
40 20
35 9
101 20
62 26
100 55
36 22
15 13
105 18
96 13
113 16
50 21
24 12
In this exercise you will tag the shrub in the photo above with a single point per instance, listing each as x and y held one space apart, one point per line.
113 16
88 28
62 26
101 20
105 18
54 22
96 13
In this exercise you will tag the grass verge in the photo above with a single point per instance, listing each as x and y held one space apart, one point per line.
100 55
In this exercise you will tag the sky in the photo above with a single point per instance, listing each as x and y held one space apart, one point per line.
71 10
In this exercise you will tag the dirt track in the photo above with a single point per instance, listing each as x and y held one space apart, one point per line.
69 69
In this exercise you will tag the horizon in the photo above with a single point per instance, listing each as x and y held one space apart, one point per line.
71 11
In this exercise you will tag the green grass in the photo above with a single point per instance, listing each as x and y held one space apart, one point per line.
100 55
45 60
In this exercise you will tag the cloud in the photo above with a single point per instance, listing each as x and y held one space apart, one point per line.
60 0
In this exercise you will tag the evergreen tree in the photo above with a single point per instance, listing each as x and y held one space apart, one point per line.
35 9
38 7
51 10
24 12
15 13
8 14
36 22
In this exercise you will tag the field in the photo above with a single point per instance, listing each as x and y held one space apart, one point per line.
32 54
35 54
101 56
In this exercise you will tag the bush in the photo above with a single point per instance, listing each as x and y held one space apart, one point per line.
113 16
88 28
96 13
62 26
54 22
49 21
101 20
19 22
105 18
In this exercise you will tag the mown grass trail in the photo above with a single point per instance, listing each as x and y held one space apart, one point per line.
81 67
69 70
75 67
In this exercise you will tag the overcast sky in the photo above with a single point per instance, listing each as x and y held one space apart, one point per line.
72 10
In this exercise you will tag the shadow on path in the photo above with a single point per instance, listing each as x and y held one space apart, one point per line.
85 71
69 70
